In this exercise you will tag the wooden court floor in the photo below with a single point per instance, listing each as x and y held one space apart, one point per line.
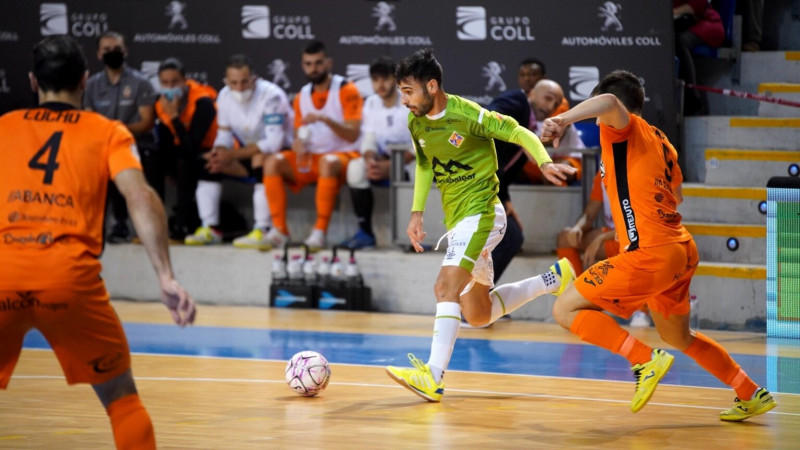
201 402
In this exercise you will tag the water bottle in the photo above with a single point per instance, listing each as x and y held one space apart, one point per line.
310 270
337 269
351 272
694 317
324 271
294 268
278 269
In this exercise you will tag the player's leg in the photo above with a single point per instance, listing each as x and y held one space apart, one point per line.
424 379
361 195
207 195
257 237
331 168
671 311
620 285
564 249
89 342
278 167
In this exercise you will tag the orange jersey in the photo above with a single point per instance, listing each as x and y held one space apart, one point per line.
55 163
348 95
640 172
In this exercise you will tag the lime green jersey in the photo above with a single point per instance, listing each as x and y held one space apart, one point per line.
458 147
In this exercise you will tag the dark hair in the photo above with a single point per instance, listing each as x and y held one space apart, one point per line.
239 61
315 47
625 86
58 64
421 66
382 66
172 64
111 34
533 61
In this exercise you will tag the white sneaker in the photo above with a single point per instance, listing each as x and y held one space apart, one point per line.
204 236
273 239
640 319
255 239
316 241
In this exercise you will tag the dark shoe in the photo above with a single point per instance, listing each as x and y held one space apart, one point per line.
360 241
119 234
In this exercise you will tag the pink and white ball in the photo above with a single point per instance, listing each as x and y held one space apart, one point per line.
308 373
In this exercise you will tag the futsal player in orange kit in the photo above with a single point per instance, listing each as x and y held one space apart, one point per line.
658 255
55 163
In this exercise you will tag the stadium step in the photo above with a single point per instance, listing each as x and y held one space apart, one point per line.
730 243
723 204
778 66
745 167
730 296
785 91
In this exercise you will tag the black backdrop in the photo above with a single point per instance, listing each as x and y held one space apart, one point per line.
479 43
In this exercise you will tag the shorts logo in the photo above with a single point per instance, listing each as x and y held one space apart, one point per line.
106 363
255 21
456 139
471 23
53 19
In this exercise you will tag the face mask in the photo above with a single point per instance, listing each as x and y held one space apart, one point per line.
172 93
242 96
114 58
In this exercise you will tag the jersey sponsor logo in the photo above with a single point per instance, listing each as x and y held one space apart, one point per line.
106 363
45 238
44 198
435 128
630 221
255 21
444 172
456 140
16 216
421 143
669 217
27 300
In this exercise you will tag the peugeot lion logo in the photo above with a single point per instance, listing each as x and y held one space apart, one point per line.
610 12
492 71
277 68
175 12
383 11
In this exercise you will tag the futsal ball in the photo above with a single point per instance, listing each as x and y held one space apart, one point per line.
308 373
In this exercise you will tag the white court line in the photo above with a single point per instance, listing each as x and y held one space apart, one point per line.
524 375
394 386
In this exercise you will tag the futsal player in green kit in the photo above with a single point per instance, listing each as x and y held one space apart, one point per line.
453 138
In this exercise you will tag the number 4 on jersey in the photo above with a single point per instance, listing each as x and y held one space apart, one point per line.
51 165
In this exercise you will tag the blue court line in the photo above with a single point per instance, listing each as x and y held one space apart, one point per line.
780 374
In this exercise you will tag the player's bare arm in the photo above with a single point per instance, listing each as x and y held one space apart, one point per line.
349 130
605 107
147 120
149 219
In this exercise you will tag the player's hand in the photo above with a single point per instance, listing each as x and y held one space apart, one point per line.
178 301
415 231
378 170
552 130
590 253
557 173
574 236
311 118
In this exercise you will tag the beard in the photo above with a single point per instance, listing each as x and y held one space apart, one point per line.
426 105
317 79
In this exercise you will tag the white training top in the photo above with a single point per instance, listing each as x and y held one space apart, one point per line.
265 119
321 138
382 126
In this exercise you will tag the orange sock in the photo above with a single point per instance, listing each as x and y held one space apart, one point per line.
276 199
327 191
131 424
573 256
709 355
602 330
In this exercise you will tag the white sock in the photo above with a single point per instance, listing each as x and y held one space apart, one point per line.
445 332
260 207
509 297
208 194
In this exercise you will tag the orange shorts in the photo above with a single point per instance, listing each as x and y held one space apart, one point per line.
611 246
81 327
309 172
658 276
